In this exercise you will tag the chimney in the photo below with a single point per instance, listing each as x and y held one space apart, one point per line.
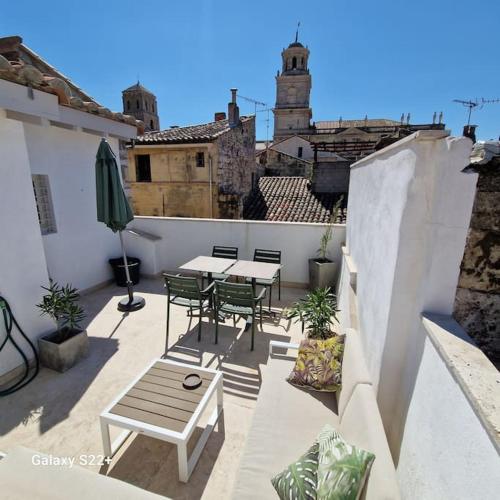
219 115
233 112
470 132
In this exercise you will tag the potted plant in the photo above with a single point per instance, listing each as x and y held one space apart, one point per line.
69 343
317 312
322 270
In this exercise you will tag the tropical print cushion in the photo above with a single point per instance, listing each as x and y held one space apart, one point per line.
319 364
342 468
298 481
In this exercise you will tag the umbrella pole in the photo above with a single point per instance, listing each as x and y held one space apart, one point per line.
127 273
133 303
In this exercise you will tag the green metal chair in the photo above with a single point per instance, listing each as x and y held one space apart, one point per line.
184 291
239 300
273 257
222 253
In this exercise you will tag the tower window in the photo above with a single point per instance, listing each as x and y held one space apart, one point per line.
152 125
142 168
153 107
299 152
137 104
200 159
128 104
294 62
302 61
146 105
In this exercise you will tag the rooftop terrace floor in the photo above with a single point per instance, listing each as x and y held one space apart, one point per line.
59 413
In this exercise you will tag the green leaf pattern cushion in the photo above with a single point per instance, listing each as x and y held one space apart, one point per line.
319 364
342 468
298 480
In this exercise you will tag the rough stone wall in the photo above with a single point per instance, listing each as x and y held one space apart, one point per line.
331 177
178 187
236 164
281 165
147 115
477 302
171 199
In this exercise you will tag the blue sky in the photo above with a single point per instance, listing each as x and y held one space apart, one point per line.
377 58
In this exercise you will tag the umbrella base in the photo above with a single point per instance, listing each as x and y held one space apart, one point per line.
126 305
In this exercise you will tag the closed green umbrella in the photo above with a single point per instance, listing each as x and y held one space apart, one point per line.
113 209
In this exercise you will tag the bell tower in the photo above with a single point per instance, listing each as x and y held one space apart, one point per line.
138 101
292 113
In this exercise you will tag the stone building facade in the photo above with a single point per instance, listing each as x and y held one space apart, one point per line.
204 170
292 113
140 102
477 302
323 143
279 164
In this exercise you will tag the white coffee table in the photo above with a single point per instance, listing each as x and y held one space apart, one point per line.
157 405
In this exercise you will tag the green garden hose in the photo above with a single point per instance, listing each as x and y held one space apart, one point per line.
10 321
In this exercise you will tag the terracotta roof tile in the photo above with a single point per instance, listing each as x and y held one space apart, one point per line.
290 199
205 132
19 64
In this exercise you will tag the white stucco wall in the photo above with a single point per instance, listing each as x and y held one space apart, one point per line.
346 292
79 251
291 145
408 214
183 239
445 451
22 260
39 136
62 142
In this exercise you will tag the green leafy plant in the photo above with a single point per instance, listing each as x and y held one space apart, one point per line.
60 303
317 311
328 234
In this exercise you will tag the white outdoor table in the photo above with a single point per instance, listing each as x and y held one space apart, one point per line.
208 265
157 405
254 270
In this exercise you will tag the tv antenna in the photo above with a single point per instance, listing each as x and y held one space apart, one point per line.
255 103
475 103
259 103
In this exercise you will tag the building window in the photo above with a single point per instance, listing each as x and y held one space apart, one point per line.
142 168
152 125
294 62
279 156
153 107
299 152
44 206
200 159
137 104
128 104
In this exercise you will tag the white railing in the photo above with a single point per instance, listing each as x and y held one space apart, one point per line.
181 239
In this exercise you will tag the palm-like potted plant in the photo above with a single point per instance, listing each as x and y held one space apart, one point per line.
317 312
63 348
322 270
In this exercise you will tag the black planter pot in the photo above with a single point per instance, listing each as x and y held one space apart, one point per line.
134 268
